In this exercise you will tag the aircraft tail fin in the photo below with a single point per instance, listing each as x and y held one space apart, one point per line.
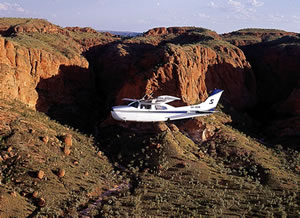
211 102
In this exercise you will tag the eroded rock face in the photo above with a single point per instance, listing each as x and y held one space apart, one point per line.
22 69
277 67
274 60
291 105
43 73
164 31
11 26
133 67
186 62
88 37
161 31
165 61
46 67
80 29
197 130
189 71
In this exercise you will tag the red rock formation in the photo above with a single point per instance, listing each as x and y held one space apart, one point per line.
187 71
287 127
4 29
197 130
186 62
43 75
81 29
18 26
88 37
177 31
291 105
276 67
22 69
253 36
159 31
40 28
165 31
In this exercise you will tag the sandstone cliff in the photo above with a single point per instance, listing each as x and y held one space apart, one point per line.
160 31
42 64
10 26
23 68
75 69
274 60
187 64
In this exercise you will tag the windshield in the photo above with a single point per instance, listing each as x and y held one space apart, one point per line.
134 104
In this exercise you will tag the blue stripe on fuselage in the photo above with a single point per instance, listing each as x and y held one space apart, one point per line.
165 112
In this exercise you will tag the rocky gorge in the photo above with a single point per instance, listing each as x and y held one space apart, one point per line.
257 70
74 75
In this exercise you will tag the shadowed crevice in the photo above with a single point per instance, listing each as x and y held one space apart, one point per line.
69 97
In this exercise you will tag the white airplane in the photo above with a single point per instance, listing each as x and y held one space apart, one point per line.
157 109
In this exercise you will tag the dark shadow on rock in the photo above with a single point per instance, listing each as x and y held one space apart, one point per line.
238 84
239 97
69 97
191 38
117 64
276 67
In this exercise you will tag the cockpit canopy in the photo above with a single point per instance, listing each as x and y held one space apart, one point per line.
141 105
134 104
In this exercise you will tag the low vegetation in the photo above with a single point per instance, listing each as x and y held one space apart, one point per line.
230 174
253 35
40 34
37 176
21 21
48 169
53 43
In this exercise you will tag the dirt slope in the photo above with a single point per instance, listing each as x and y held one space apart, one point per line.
201 167
46 169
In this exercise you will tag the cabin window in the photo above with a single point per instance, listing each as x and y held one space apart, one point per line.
145 106
134 104
160 107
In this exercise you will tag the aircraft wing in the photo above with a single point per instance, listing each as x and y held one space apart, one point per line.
129 99
166 99
191 115
158 100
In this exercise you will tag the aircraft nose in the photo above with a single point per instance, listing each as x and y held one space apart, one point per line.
114 114
112 109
